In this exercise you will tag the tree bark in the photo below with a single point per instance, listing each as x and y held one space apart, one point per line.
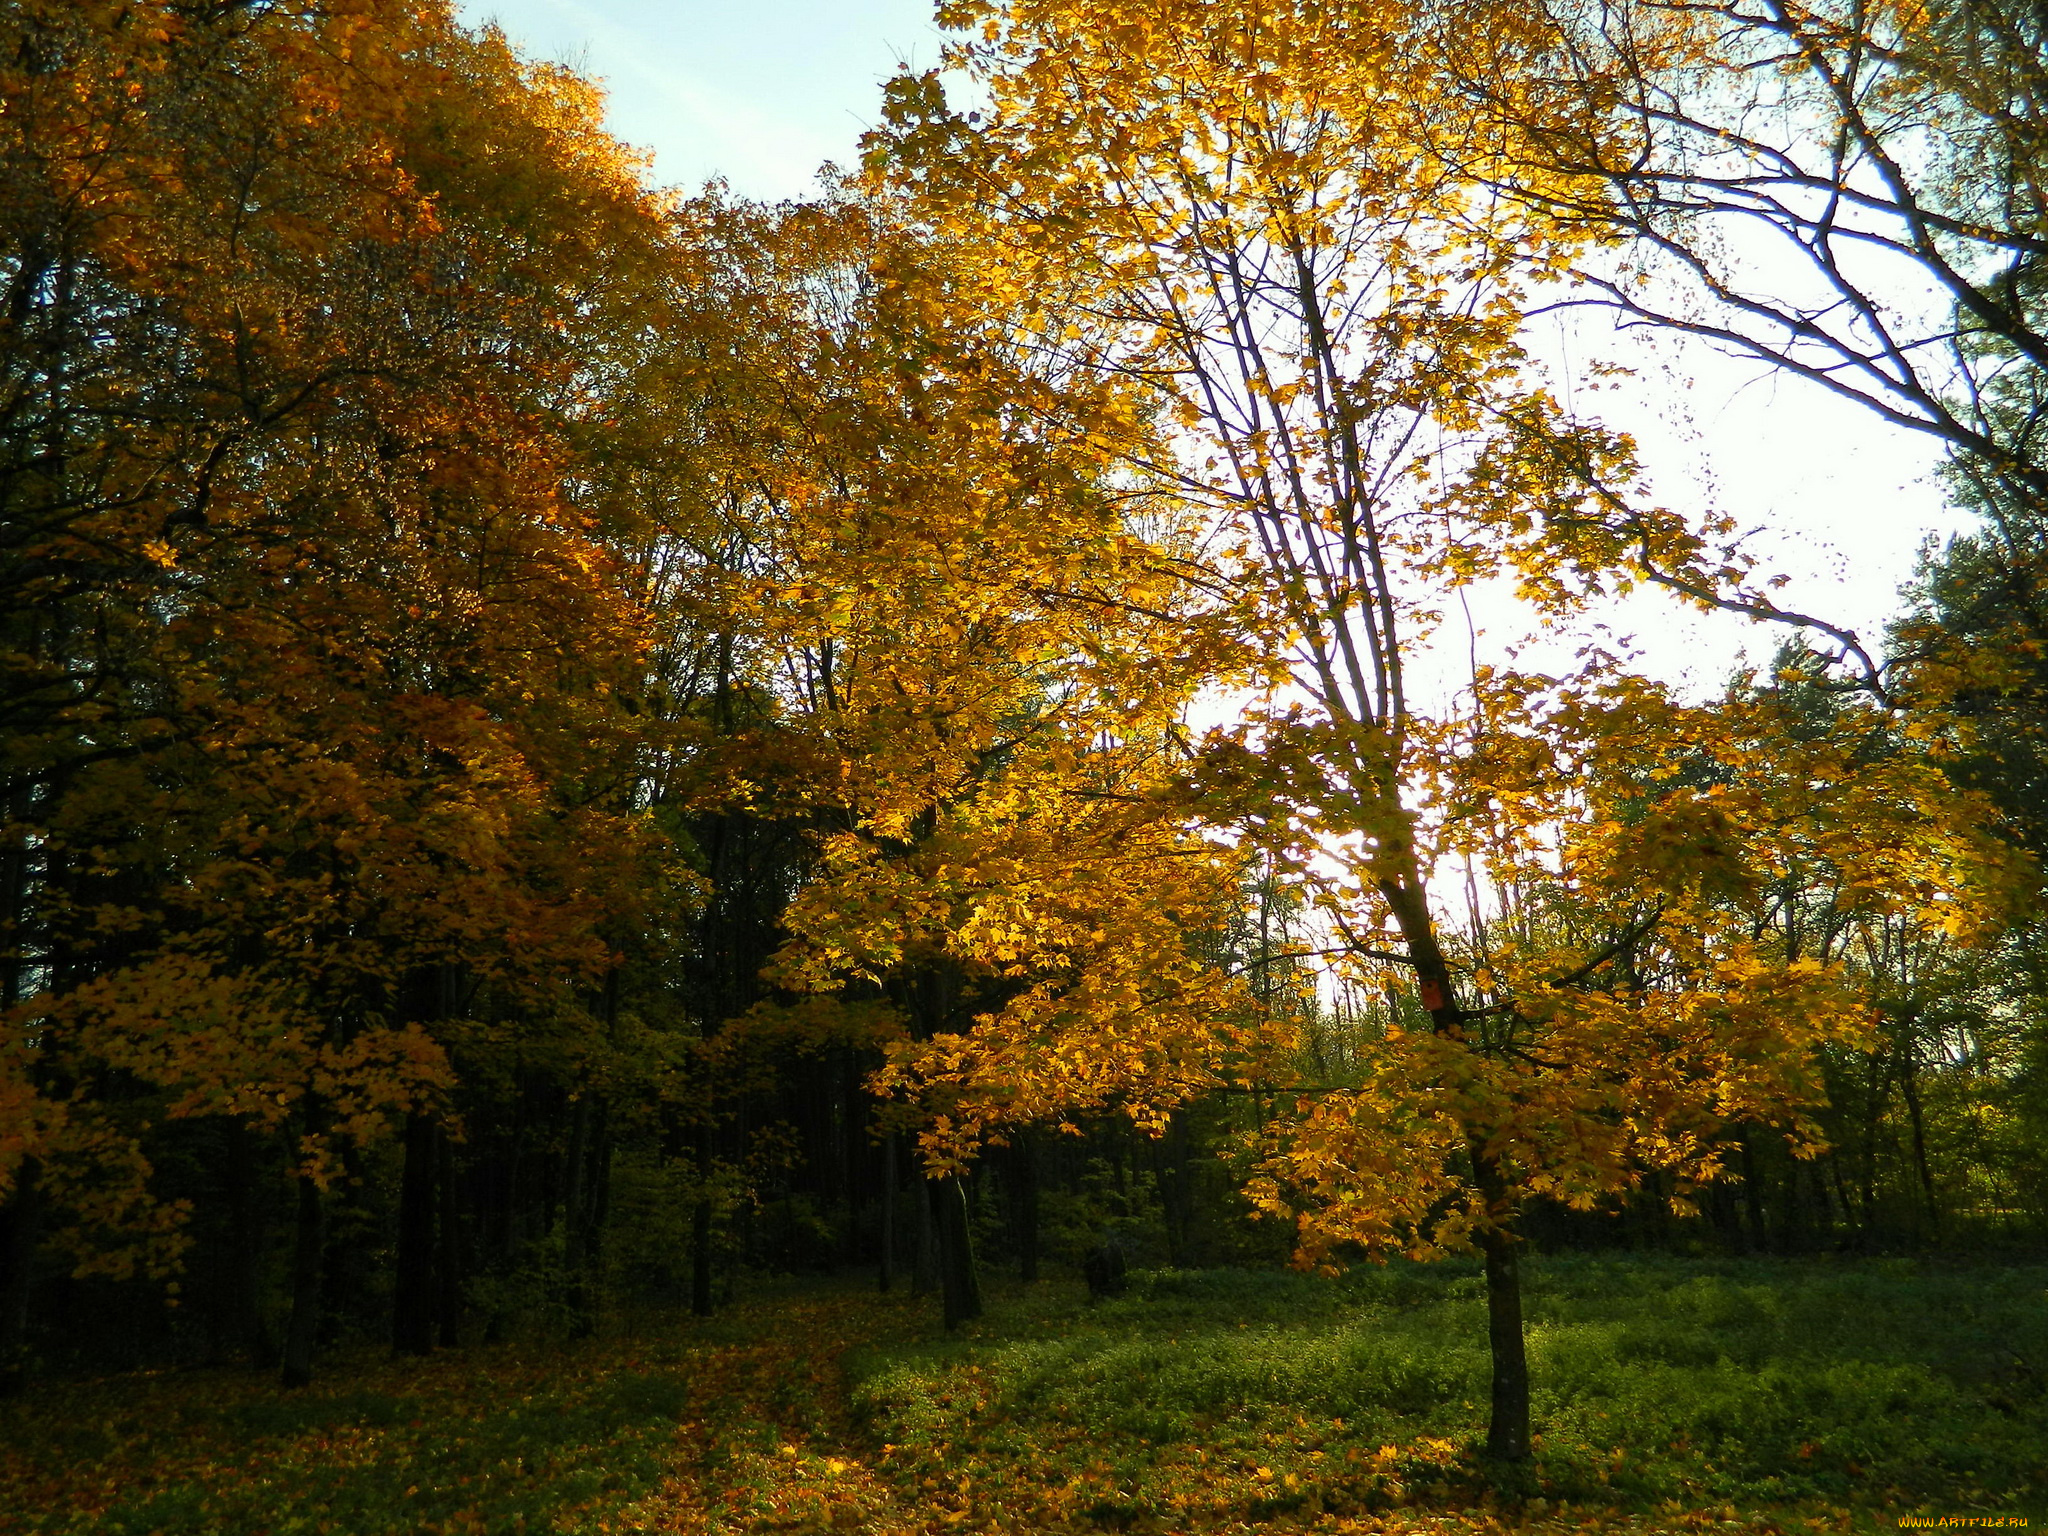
450 1252
247 1332
1507 1430
924 1267
700 1233
886 1272
1752 1194
308 1248
412 1297
1909 1084
959 1281
1026 1158
20 1227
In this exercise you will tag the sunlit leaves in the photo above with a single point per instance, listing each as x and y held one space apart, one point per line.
315 631
1276 219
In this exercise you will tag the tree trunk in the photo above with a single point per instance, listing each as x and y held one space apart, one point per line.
21 1211
1791 1220
1507 1431
1179 1196
700 1232
1655 1209
1863 1233
1909 1084
495 1230
1752 1194
587 1246
1026 1159
572 1182
959 1280
450 1254
20 1227
576 1214
944 1242
412 1297
1727 1219
247 1331
886 1271
700 1259
1823 1212
1872 1118
307 1250
924 1267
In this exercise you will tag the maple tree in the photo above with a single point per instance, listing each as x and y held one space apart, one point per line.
1887 155
315 685
1267 214
565 743
1883 164
1885 161
978 645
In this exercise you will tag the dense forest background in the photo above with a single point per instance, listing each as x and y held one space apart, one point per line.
567 746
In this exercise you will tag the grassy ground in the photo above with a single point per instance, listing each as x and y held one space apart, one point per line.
1660 1385
1670 1394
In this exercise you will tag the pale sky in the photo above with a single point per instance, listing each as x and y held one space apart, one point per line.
761 94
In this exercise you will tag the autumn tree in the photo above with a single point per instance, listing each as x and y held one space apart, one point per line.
1267 215
1884 160
316 746
977 644
1880 163
1849 194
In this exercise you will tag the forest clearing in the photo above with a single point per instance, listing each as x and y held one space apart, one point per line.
1081 706
1678 1396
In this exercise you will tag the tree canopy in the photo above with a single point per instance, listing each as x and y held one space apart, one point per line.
561 736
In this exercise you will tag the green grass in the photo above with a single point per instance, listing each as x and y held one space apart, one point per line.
1670 1394
359 1461
505 1439
1883 1385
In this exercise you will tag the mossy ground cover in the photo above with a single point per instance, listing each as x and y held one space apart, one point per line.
1670 1394
673 1425
1766 1390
